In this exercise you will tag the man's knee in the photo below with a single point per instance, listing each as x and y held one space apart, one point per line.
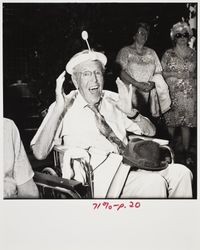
155 187
146 185
181 171
157 181
179 179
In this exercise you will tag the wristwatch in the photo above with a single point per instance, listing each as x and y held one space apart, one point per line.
134 116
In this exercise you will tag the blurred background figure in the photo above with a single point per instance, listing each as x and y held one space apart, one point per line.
179 70
140 66
18 173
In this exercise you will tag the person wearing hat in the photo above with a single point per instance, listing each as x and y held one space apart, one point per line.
179 69
95 120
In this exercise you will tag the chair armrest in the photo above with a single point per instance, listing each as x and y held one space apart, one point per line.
58 183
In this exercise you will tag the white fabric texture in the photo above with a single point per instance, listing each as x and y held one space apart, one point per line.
163 92
16 163
104 166
173 182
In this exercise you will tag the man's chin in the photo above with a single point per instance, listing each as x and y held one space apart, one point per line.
94 100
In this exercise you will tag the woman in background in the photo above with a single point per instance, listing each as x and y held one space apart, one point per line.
141 67
179 71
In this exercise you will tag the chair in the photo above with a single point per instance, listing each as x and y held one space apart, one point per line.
52 185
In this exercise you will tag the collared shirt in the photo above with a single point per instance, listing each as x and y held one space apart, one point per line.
79 128
16 163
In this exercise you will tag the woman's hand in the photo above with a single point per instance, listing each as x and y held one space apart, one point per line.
146 87
141 86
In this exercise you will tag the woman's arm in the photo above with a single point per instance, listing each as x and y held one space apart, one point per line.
142 86
177 74
122 61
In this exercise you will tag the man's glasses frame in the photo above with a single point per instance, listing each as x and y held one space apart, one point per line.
88 73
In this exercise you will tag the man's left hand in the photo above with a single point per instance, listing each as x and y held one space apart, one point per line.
124 102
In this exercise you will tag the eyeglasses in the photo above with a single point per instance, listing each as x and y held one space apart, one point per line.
143 33
179 35
88 73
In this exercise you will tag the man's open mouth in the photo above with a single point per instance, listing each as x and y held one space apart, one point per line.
94 89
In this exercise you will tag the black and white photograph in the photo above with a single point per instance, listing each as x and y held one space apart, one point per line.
99 125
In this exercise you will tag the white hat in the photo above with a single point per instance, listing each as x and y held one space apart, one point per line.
84 56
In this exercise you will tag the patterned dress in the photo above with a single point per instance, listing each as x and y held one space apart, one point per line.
182 84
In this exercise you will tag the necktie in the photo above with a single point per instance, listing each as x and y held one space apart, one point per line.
106 130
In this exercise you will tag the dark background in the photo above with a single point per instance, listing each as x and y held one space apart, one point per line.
39 39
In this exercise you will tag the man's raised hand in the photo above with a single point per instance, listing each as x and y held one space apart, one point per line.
63 101
124 103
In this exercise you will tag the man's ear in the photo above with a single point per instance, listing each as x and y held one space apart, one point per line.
74 80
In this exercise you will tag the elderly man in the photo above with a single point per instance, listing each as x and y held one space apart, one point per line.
97 121
18 173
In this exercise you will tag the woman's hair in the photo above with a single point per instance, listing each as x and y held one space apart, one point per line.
143 25
177 28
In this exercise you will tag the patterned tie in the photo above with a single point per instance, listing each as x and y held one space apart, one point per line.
106 130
